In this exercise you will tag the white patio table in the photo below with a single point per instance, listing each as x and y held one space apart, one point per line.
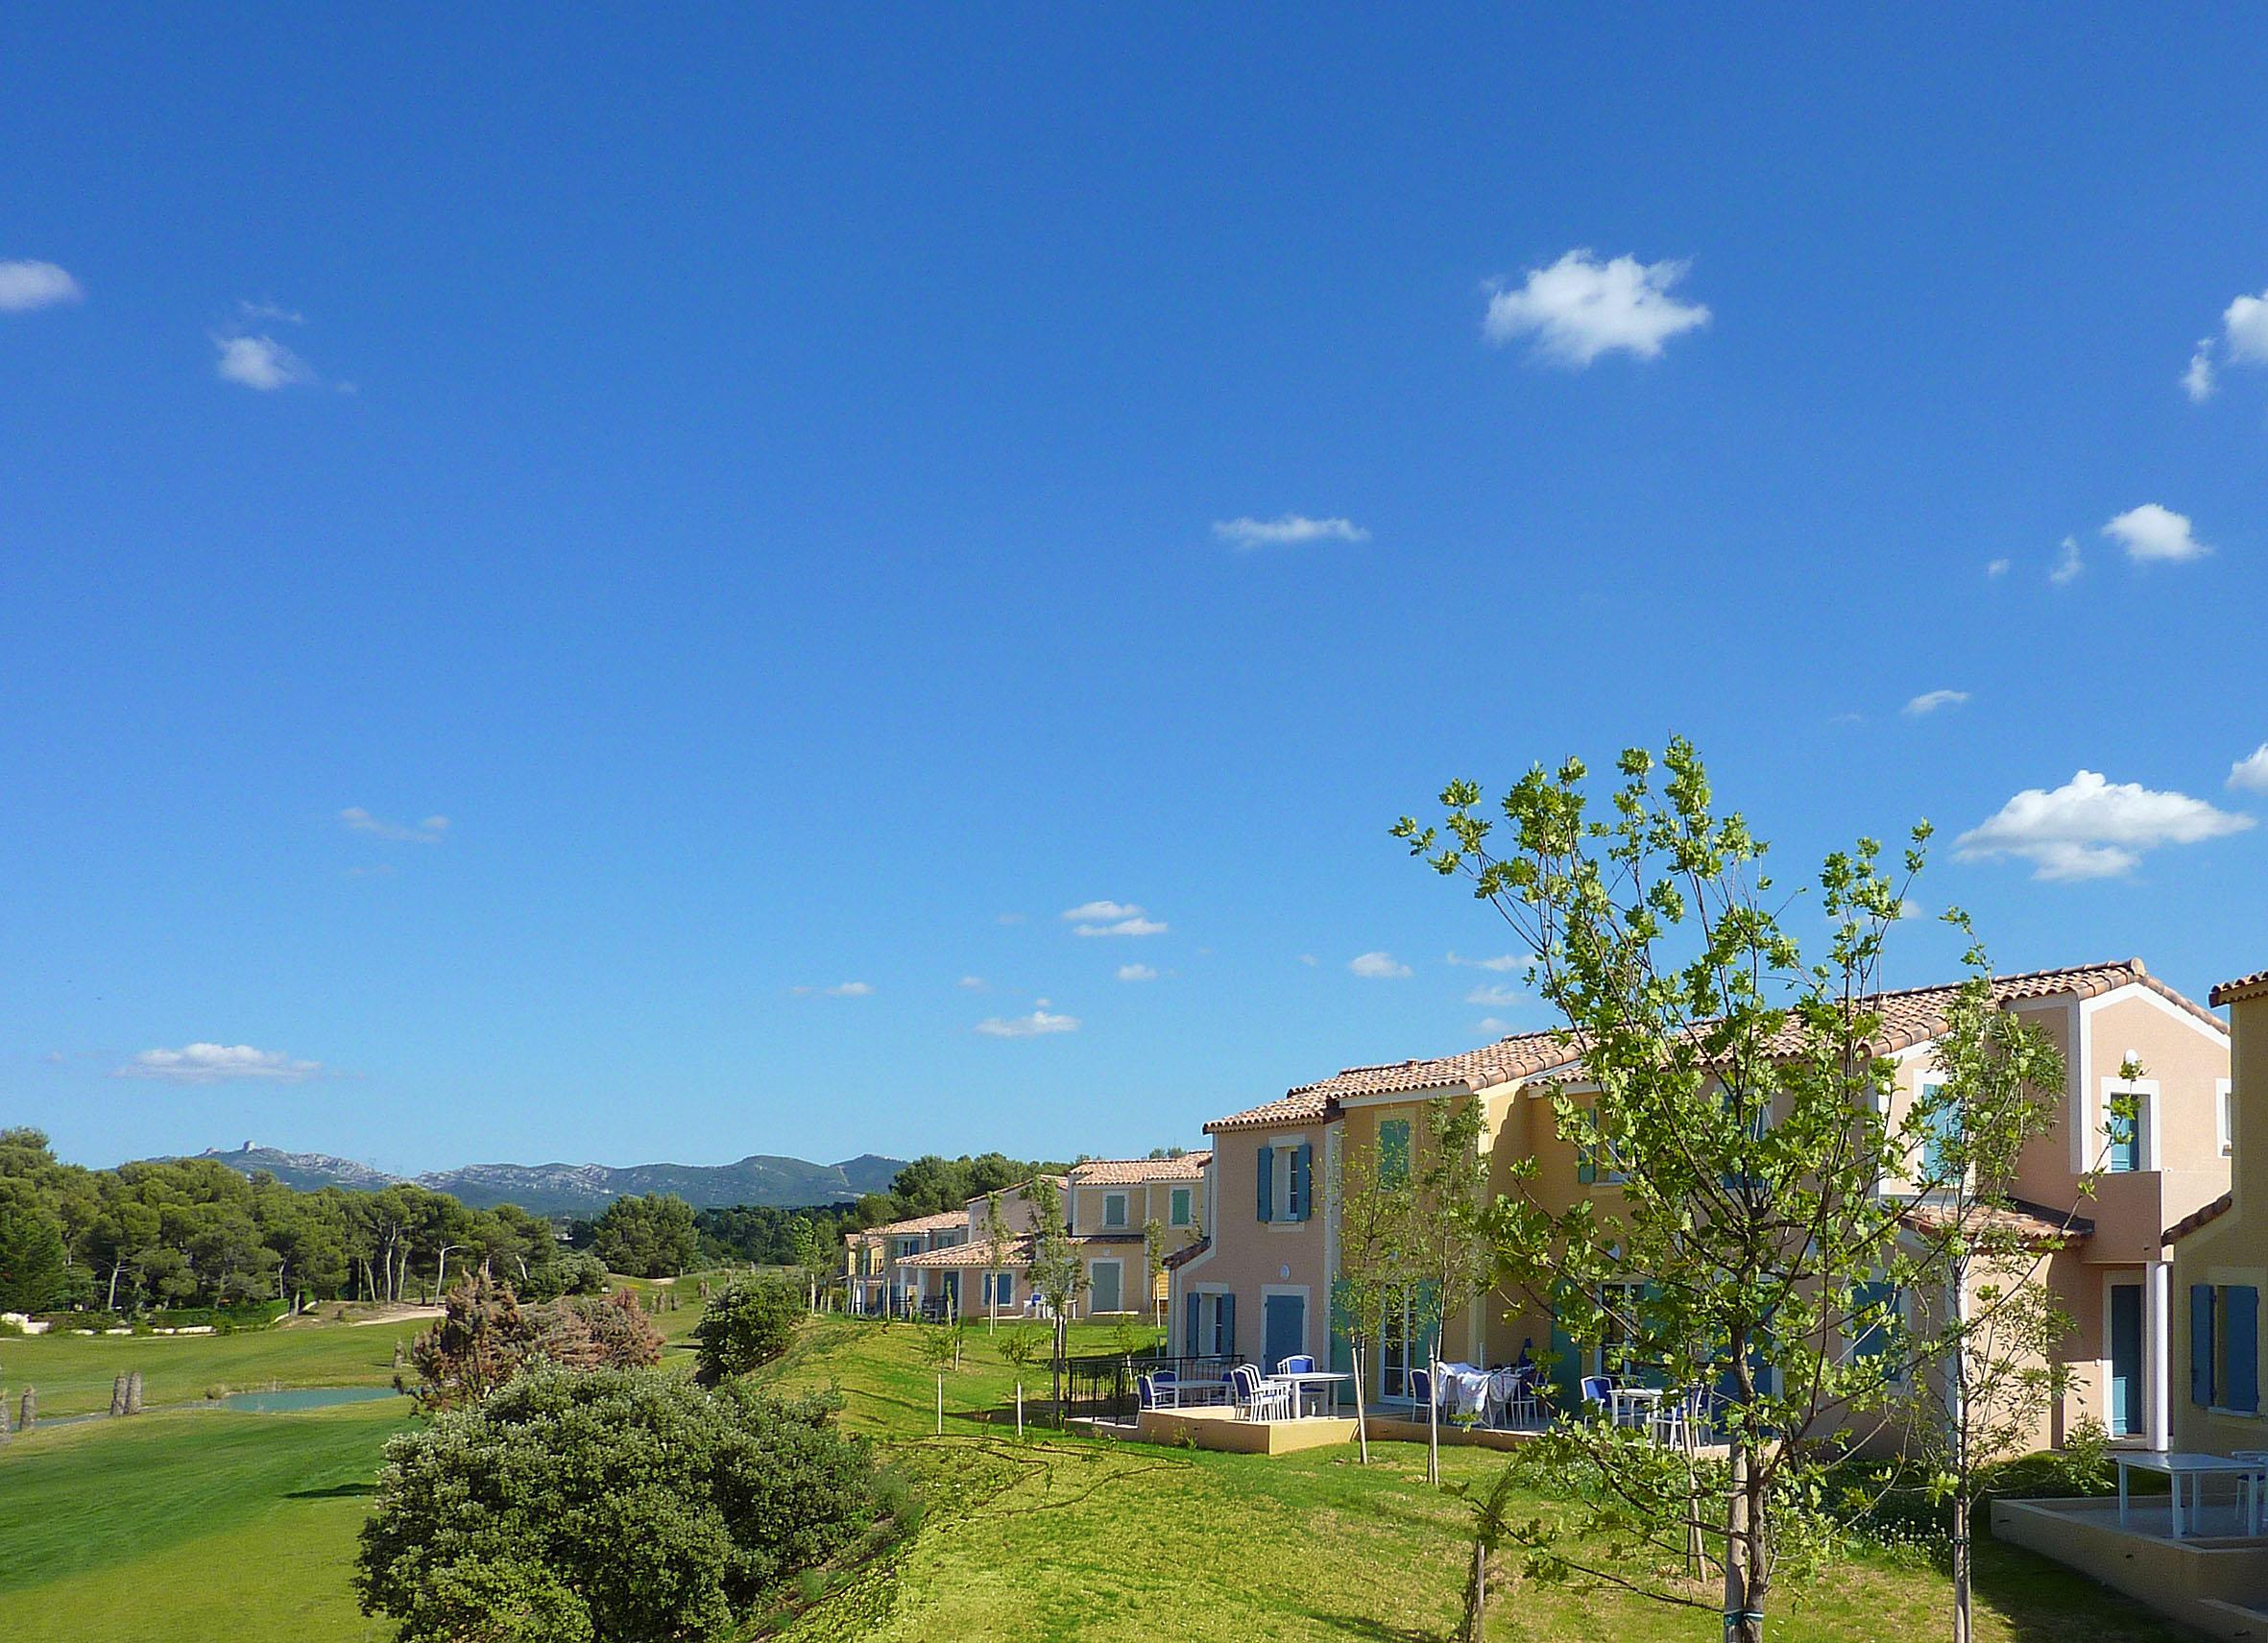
2196 1468
1307 1381
1635 1406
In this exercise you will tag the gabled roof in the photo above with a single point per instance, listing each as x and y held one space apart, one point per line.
2249 986
1914 1015
918 1224
1910 1016
1187 1253
1507 1060
1135 1171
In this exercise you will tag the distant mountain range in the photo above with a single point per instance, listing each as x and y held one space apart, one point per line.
586 1189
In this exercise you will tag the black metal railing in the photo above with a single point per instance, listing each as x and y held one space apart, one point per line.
1106 1386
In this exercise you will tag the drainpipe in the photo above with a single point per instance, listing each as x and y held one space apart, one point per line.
2157 1348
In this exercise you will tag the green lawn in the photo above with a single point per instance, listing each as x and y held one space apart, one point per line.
239 1527
1075 1538
205 1524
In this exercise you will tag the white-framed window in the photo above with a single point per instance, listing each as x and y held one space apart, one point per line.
1181 1207
1114 1209
1397 1342
2225 1116
2130 1144
1215 1325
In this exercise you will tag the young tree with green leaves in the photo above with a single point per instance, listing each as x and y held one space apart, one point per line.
997 1239
1736 1088
1448 1242
1058 1276
1371 1198
1153 1267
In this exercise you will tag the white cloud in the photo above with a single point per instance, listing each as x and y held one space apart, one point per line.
1500 964
212 1063
1377 966
1137 973
2150 532
1112 918
260 362
840 990
269 313
1930 701
2198 380
2067 565
1579 308
1998 566
1036 1024
2250 772
1309 959
432 831
1090 912
1492 1027
2244 326
975 983
1286 529
2093 829
1495 996
28 285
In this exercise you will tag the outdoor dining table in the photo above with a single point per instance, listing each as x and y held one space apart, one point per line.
1634 1406
2196 1468
1306 1381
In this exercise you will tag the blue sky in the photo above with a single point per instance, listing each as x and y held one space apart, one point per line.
770 482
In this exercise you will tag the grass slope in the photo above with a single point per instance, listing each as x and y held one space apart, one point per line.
1066 1537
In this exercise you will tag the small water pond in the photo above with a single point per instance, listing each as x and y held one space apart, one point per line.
305 1397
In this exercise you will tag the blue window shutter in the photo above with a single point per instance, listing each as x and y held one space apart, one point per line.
1228 1326
2201 1344
1874 1339
1586 1167
1393 1152
2242 1330
1267 1183
1191 1346
1303 1202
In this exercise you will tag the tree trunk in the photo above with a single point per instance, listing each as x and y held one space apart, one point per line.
111 1304
1433 1419
1957 1401
1476 1592
1362 1420
1961 1565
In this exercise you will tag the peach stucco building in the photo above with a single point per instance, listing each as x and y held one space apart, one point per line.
1258 1287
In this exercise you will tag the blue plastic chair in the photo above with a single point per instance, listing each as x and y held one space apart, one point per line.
1298 1363
1598 1390
1146 1391
1421 1387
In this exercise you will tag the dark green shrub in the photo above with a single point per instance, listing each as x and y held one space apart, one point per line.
748 1322
622 1504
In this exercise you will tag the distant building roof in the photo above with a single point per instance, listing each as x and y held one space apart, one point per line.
2037 1222
918 1224
1135 1171
978 1255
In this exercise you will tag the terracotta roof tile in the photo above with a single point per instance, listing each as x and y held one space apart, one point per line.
1910 1016
978 1254
1187 1253
2197 1218
2035 1222
1507 1060
918 1224
1133 1172
2249 986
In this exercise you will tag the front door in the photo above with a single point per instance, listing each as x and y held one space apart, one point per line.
1287 1330
2126 1360
949 1285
